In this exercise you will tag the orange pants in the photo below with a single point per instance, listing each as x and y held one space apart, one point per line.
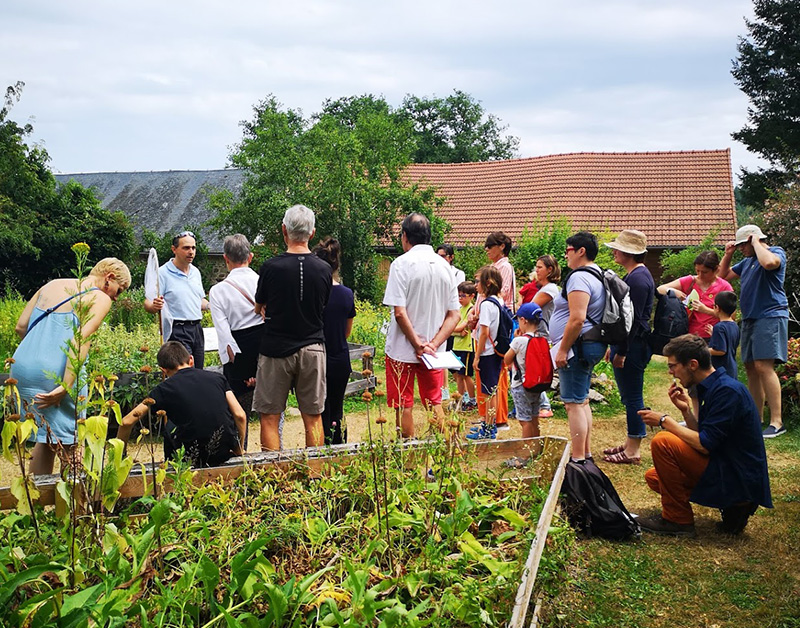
501 417
677 468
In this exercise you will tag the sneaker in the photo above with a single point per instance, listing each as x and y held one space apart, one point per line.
486 432
516 462
464 399
546 413
502 427
658 525
771 431
477 428
512 414
734 518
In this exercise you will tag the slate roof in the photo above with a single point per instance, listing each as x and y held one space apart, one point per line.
164 202
676 198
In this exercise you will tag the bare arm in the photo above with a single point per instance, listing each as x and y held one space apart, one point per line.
578 303
689 436
767 259
129 420
401 317
725 263
542 298
25 318
508 358
674 285
239 418
480 345
154 306
715 351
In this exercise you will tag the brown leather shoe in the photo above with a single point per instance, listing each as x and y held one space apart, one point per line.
658 525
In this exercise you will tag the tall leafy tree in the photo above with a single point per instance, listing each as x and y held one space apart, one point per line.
346 163
768 71
40 221
456 129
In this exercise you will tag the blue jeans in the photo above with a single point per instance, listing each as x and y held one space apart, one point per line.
575 378
630 382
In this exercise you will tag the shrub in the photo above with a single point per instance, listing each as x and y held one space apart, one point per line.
549 239
369 325
676 264
10 309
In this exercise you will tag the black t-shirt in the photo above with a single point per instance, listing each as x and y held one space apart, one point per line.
341 307
195 402
295 288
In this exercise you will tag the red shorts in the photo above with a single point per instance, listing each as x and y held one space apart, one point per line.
400 384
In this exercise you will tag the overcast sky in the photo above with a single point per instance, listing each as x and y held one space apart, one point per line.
163 85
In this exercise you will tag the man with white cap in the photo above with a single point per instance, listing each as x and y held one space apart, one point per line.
765 317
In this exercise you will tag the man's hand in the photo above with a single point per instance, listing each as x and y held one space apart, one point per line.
619 361
156 305
476 362
679 397
425 347
730 247
561 358
650 417
709 329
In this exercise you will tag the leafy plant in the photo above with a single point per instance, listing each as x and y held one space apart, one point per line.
681 263
10 309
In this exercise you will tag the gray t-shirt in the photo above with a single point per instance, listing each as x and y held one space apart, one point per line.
581 281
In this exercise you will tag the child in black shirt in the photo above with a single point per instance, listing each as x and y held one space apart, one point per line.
202 413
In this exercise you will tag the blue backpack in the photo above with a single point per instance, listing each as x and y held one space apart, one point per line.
505 327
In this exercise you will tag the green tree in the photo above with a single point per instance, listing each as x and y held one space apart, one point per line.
781 222
40 221
346 163
456 129
768 71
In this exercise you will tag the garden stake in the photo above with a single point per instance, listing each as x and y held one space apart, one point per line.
367 397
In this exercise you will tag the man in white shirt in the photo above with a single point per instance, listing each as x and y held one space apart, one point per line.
238 326
425 310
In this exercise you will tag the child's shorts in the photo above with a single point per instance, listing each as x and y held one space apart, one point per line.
526 403
467 358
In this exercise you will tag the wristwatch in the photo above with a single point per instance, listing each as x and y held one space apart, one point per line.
661 421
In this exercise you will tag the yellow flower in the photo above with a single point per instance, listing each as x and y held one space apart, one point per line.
80 248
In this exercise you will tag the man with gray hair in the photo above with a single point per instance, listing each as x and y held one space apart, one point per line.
292 292
238 326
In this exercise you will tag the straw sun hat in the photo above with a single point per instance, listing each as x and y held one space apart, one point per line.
629 241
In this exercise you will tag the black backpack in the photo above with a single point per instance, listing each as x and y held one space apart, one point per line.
670 321
617 320
505 327
593 506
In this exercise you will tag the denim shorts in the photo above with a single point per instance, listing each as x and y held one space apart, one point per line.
765 339
574 379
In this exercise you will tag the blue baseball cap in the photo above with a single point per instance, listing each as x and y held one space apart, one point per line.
529 311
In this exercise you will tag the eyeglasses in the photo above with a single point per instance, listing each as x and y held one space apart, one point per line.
183 234
461 295
568 249
490 246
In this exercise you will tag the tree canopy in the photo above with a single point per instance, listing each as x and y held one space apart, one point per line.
40 221
768 71
346 163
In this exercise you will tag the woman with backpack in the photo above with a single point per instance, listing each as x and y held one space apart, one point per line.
631 357
701 289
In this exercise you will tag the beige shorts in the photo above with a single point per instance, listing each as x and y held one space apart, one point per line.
304 371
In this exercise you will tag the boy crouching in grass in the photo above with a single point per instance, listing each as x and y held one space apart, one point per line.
526 402
200 412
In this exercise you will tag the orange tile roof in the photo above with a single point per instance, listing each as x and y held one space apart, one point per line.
676 198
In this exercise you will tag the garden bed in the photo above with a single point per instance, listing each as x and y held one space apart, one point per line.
351 535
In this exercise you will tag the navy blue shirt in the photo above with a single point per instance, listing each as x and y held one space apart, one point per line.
730 429
725 337
340 308
642 290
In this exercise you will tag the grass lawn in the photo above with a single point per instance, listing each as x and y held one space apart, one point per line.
712 580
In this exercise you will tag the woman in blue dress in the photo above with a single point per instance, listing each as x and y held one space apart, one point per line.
46 326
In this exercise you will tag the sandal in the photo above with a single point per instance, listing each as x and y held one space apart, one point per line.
621 458
614 450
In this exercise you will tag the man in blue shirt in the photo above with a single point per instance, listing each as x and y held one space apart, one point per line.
181 290
717 459
765 317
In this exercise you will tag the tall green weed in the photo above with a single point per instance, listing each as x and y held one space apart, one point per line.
10 309
368 325
548 239
681 263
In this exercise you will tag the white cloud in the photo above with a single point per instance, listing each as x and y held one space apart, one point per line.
152 85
